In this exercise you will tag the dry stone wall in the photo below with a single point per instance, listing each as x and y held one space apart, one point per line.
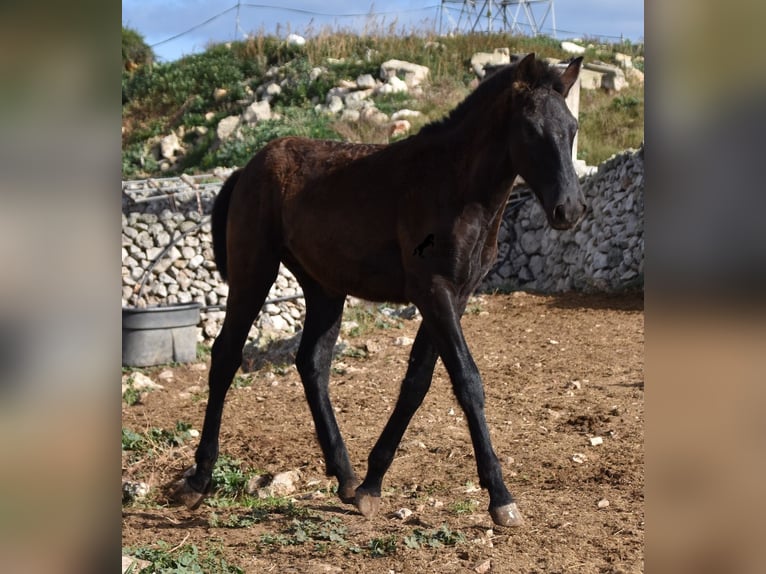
167 258
167 252
604 252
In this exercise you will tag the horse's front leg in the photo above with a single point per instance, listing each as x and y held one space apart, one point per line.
414 388
441 316
320 332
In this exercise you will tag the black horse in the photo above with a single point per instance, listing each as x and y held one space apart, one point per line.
414 221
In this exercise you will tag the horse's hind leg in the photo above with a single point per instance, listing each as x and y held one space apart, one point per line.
414 388
244 302
320 332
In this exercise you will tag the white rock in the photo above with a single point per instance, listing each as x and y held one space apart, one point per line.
272 90
282 484
350 115
403 341
140 382
257 112
634 75
400 128
481 60
354 99
295 40
393 86
374 115
405 114
624 60
572 48
603 503
590 79
596 440
226 127
403 513
335 104
315 73
365 82
169 145
134 490
132 564
414 74
196 261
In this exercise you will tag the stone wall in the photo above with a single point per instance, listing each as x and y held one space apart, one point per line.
186 272
603 253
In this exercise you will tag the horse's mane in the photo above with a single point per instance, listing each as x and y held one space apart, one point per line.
539 74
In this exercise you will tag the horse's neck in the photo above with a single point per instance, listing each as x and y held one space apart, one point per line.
484 166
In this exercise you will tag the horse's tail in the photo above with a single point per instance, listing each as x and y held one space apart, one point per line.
218 220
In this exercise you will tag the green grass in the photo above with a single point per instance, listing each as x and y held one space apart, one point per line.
610 123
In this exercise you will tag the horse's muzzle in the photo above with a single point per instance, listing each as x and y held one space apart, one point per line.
567 214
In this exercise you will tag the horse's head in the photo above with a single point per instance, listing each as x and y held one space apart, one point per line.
545 128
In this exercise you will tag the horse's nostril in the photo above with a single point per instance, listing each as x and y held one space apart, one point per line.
559 213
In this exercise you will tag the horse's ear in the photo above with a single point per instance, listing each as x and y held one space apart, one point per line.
570 75
524 67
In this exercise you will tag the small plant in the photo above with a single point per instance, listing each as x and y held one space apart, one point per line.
155 439
131 440
131 396
311 529
242 381
186 559
626 102
463 506
473 309
229 480
380 547
203 352
434 538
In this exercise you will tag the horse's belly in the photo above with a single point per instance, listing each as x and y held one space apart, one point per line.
372 274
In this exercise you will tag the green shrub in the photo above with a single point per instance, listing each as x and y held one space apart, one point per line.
135 51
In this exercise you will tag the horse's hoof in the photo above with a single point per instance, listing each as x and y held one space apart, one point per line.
507 515
367 503
186 495
347 491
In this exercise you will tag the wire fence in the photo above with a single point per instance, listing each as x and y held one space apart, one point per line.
436 9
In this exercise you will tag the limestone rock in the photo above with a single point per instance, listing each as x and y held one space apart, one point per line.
572 48
482 60
257 112
169 145
226 127
414 74
295 40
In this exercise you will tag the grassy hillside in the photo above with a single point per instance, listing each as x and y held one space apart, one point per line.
190 96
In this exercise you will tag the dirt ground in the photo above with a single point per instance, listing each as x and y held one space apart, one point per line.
558 371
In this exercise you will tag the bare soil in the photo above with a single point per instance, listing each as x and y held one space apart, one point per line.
558 371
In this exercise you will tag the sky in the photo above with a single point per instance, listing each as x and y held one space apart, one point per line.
160 20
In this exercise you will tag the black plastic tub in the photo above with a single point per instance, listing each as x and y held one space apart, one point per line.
159 334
